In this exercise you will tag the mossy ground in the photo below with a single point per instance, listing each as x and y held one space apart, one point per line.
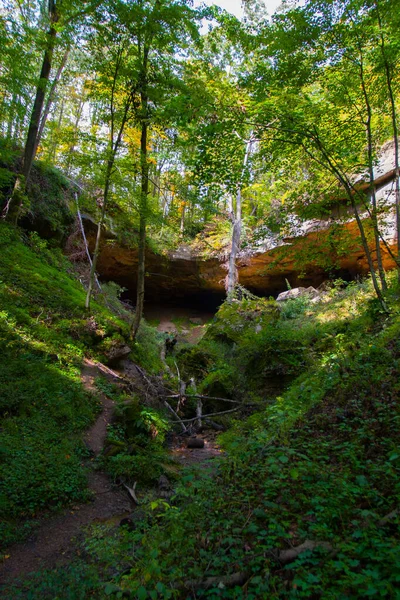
44 335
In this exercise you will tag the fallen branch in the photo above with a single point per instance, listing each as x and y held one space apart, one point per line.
214 425
287 556
184 429
206 398
387 518
84 239
131 492
224 412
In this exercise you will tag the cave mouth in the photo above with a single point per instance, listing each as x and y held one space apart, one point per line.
176 314
201 301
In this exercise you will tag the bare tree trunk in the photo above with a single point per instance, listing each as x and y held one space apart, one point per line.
14 204
233 276
50 99
92 275
75 133
182 226
10 123
81 227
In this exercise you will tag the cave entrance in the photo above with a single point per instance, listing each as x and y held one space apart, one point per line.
185 317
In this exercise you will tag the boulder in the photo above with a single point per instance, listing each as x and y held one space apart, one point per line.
116 353
196 321
298 292
195 442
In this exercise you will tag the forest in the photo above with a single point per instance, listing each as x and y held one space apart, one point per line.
199 300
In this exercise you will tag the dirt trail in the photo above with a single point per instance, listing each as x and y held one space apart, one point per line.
188 457
53 542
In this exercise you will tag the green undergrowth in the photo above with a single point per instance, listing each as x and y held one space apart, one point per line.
135 449
320 462
44 335
48 204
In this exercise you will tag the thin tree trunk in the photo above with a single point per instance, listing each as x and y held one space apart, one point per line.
92 275
182 226
50 99
374 212
54 141
14 204
10 123
75 133
110 165
144 191
78 212
113 149
143 222
395 134
342 179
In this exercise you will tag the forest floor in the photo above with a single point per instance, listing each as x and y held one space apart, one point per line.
55 541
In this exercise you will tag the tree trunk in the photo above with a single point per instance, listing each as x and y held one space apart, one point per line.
233 276
113 149
72 147
182 226
374 212
143 222
395 135
14 204
50 100
54 141
343 181
92 275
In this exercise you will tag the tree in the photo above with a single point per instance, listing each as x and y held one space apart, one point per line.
158 29
59 15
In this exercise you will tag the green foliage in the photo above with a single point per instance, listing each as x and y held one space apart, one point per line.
50 202
236 319
319 463
81 581
135 447
44 334
147 348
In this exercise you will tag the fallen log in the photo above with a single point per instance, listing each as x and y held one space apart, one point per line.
131 492
287 556
220 581
202 397
387 518
224 412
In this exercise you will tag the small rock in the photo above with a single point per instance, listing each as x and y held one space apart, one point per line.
196 321
195 442
132 520
163 483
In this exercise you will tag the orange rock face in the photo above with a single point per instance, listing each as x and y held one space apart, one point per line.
303 261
